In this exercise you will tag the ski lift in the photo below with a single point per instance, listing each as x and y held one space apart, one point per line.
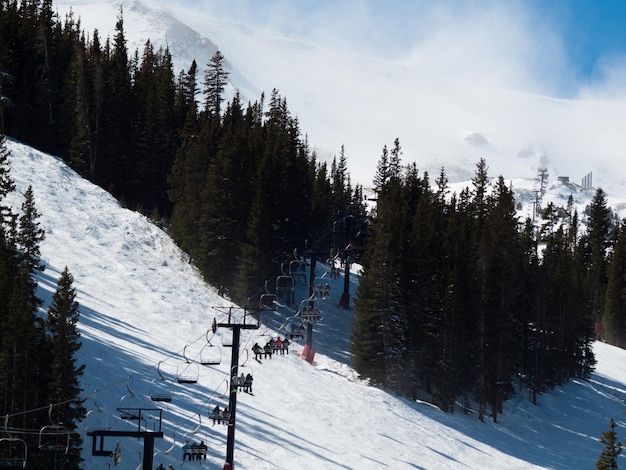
227 338
187 372
161 388
130 404
169 449
308 311
268 302
295 331
210 355
214 411
297 269
105 418
54 438
242 381
196 429
13 451
284 288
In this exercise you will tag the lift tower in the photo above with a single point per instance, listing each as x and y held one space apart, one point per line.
238 318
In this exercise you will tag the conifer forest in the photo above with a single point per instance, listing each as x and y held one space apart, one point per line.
459 300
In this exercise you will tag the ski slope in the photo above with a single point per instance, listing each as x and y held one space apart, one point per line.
145 312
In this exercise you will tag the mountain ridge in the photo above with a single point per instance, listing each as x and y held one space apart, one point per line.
363 102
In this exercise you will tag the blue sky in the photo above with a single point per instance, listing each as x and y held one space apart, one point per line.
593 31
564 47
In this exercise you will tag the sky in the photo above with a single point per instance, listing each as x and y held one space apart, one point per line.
567 45
145 318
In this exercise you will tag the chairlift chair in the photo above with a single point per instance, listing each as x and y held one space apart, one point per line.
268 302
160 390
187 372
210 355
98 418
295 331
130 402
308 311
54 438
239 382
227 338
285 287
169 449
13 453
297 270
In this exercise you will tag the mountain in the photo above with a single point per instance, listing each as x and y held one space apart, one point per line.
341 97
146 319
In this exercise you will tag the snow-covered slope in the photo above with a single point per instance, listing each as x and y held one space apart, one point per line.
449 103
145 310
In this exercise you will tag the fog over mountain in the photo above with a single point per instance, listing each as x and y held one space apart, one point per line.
461 93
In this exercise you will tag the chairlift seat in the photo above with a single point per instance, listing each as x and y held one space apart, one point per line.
268 302
161 397
210 355
12 463
128 414
187 379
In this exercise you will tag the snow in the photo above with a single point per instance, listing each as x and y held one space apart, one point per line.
144 309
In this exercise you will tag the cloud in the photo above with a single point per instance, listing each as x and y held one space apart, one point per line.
608 81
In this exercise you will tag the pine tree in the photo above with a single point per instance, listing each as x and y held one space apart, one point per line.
379 332
7 185
614 315
30 234
63 344
215 81
77 128
612 449
498 267
599 228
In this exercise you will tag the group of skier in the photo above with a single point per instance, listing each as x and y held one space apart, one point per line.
220 416
243 382
273 346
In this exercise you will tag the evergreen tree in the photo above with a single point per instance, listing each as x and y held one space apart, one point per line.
612 449
7 185
215 81
499 262
63 344
118 109
78 111
30 234
378 341
597 241
614 316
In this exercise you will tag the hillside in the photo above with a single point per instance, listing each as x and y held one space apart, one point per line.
143 306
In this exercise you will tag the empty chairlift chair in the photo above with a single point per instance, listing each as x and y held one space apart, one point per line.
268 302
54 438
210 355
187 372
161 388
284 288
13 451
